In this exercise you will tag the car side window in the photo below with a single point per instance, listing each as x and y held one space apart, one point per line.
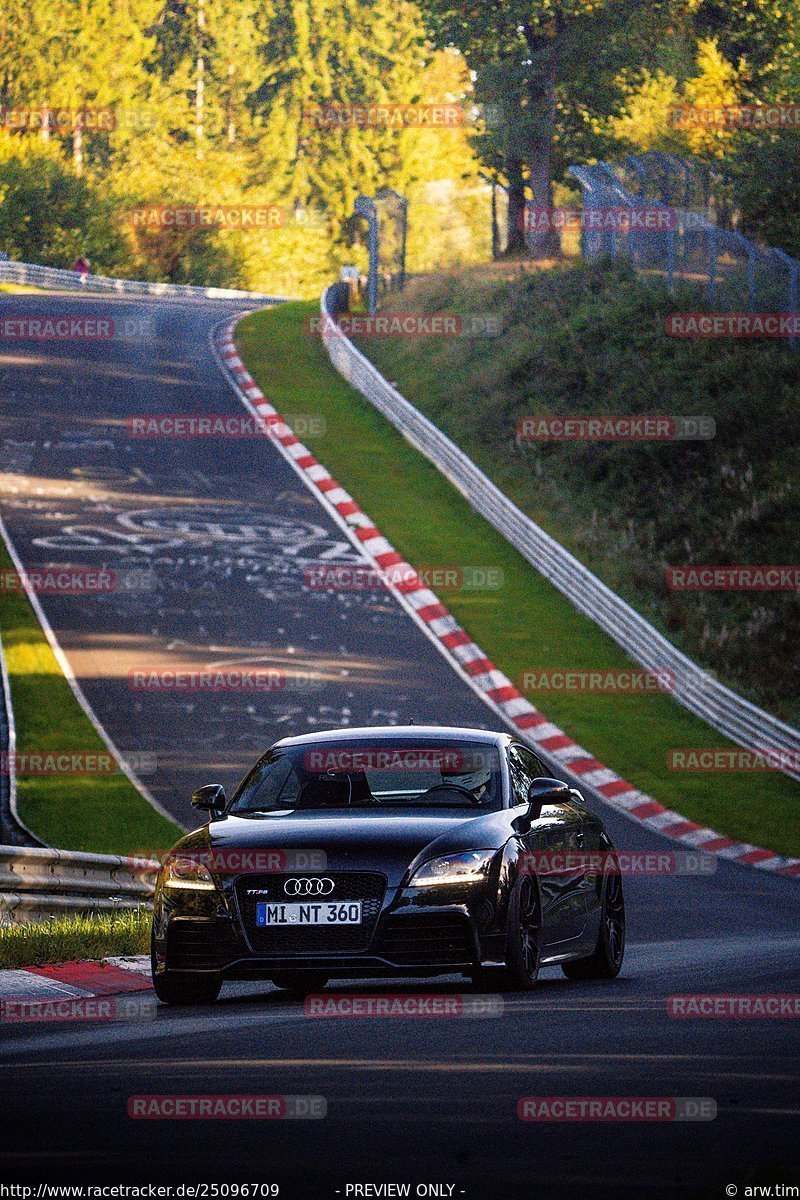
532 764
520 773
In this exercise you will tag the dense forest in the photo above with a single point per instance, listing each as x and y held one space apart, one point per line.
109 107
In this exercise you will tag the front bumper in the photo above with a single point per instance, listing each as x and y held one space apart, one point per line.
414 931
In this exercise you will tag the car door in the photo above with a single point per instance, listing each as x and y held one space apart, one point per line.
556 844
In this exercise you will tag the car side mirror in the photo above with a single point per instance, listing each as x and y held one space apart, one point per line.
545 791
210 799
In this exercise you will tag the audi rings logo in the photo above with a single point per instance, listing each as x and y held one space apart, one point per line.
308 887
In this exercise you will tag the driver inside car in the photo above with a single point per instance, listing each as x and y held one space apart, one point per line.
478 782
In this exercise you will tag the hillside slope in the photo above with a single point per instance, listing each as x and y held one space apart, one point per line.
589 340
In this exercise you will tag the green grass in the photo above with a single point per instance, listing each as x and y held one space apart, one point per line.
16 289
63 939
525 625
103 814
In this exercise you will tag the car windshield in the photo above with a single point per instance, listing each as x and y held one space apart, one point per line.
385 773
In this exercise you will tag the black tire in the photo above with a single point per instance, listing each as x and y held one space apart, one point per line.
185 987
302 983
523 944
606 961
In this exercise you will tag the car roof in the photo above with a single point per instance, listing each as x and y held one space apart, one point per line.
395 732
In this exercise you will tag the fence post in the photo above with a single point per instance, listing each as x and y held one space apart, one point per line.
404 244
712 265
665 167
495 226
365 207
793 294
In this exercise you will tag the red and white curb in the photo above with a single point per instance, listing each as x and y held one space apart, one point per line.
55 990
468 659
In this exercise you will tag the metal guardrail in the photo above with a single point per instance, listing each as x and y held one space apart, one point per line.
36 883
31 275
743 722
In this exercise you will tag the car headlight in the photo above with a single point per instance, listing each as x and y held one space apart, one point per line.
187 873
471 867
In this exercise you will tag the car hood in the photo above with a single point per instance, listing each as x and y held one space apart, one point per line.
389 843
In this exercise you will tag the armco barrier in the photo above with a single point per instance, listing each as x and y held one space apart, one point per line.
30 275
730 714
37 883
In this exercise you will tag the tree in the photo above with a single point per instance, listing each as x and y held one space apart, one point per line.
518 51
49 214
76 57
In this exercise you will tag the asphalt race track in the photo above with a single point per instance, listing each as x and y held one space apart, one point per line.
218 537
209 543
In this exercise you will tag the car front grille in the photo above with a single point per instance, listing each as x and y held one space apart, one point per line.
427 940
311 939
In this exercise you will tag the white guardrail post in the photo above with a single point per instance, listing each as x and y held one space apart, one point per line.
730 714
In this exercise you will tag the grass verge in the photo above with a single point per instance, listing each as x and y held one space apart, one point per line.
64 939
526 624
16 289
102 814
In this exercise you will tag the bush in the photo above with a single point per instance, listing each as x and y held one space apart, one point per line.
50 215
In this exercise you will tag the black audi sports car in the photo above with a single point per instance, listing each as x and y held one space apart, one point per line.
388 851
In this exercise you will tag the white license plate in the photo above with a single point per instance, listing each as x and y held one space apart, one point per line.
315 912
